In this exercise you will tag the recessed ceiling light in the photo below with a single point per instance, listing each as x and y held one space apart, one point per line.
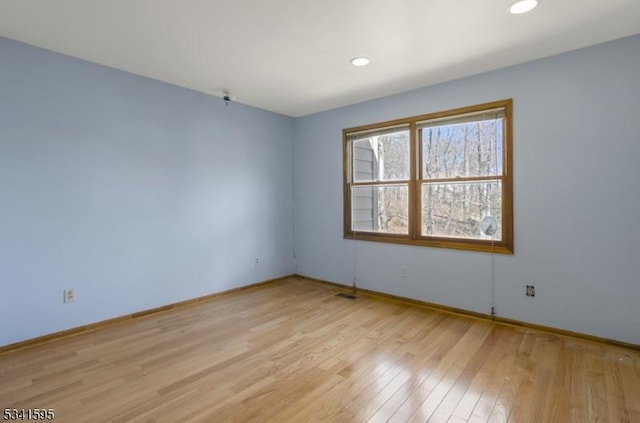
522 6
359 61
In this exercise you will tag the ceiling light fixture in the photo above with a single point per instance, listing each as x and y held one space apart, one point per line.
359 61
522 6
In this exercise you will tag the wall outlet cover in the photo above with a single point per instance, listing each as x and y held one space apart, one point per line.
69 296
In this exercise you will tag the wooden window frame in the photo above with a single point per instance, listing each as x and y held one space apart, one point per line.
504 246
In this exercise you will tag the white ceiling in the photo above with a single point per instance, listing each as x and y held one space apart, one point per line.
292 56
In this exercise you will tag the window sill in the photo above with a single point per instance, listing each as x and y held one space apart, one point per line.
450 243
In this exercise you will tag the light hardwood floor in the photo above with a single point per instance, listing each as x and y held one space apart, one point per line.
292 351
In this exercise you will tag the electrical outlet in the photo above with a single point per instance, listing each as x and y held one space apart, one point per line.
404 271
69 296
257 260
531 291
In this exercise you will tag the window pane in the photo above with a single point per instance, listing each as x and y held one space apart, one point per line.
383 157
462 210
462 149
381 208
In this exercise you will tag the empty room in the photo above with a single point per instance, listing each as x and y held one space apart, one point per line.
338 211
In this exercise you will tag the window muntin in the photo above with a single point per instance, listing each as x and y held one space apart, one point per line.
443 179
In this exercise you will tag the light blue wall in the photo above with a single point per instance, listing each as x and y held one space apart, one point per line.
133 192
577 197
138 194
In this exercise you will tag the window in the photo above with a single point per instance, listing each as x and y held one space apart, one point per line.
442 180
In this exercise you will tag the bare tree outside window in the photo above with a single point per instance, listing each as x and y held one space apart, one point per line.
472 151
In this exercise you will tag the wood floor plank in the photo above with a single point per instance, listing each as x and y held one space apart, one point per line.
482 368
431 353
294 352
